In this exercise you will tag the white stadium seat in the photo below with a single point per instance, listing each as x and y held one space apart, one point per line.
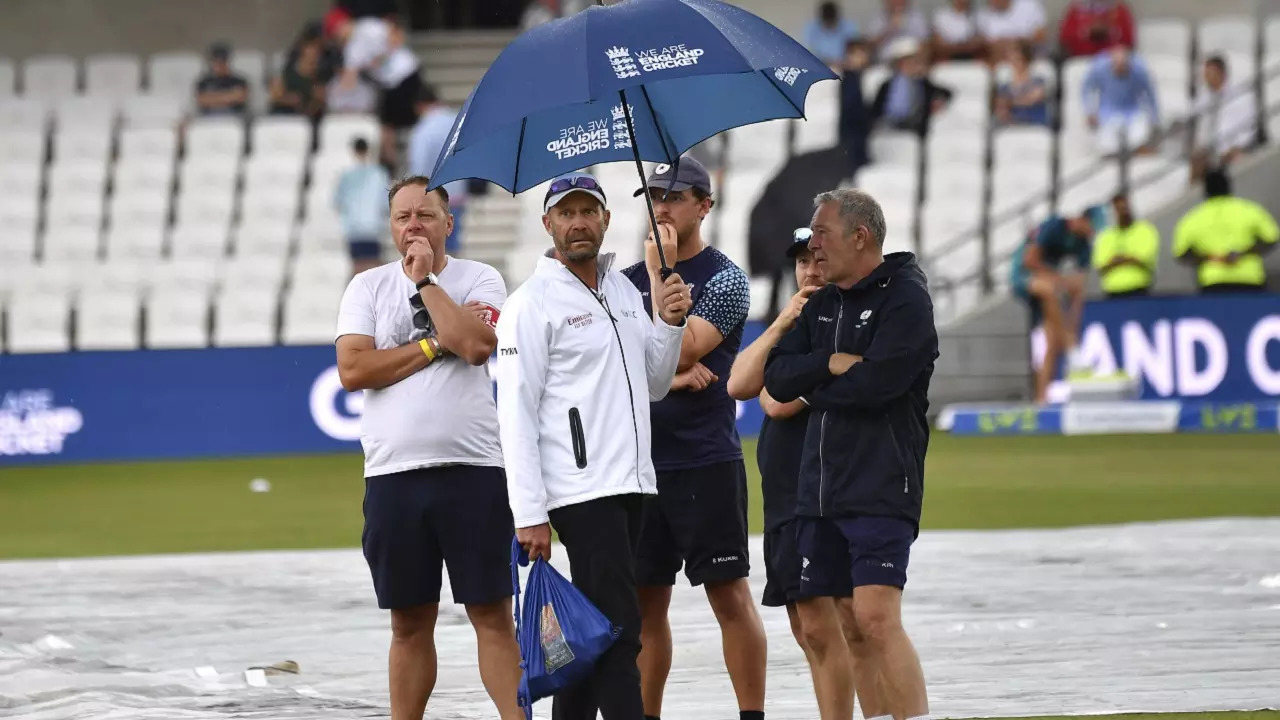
77 176
198 240
17 240
284 135
209 174
1233 36
320 234
1164 36
272 172
152 111
197 276
113 75
278 205
116 275
245 317
264 236
144 176
39 322
74 210
49 76
148 143
214 208
895 148
214 136
174 73
332 268
81 113
82 143
135 241
19 171
52 278
260 272
338 131
177 318
75 243
108 321
310 314
23 112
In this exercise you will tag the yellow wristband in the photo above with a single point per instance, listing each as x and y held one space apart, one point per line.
427 349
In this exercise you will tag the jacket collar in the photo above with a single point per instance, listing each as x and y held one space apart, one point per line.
550 264
885 271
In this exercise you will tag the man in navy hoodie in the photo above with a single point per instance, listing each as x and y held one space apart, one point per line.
862 354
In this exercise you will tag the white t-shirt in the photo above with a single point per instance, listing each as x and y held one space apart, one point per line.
444 414
369 47
953 26
1023 19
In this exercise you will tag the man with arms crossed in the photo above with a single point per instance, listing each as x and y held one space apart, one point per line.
699 518
862 354
416 336
578 363
778 454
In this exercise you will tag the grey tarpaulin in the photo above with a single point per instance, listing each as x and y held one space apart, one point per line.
1160 617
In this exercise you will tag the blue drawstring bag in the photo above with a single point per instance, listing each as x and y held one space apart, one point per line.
561 634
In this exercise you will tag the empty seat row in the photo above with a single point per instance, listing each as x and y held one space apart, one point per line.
119 75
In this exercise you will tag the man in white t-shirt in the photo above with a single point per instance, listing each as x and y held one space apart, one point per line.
416 335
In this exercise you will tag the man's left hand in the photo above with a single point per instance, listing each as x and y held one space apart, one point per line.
651 260
675 300
419 258
840 363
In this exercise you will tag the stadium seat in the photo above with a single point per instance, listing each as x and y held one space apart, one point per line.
214 208
214 137
75 176
108 321
281 135
113 75
895 148
82 143
74 242
1271 40
1022 146
17 239
174 74
338 131
245 317
152 111
888 183
310 314
148 144
131 238
272 172
1018 185
56 278
84 114
177 318
49 76
319 234
211 174
198 276
39 322
762 146
8 78
965 79
1164 36
21 160
23 112
327 269
327 169
116 275
146 175
1233 36
954 183
264 236
821 127
277 206
198 240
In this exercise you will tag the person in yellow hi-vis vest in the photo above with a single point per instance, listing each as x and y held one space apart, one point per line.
1225 237
1126 253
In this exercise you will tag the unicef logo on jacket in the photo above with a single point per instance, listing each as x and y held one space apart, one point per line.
31 423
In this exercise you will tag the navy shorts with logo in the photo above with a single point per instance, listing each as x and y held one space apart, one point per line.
455 516
782 569
840 553
698 519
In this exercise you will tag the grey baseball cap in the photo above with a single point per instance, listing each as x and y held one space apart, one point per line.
689 174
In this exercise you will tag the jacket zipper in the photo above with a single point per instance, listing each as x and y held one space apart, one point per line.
822 434
631 396
578 438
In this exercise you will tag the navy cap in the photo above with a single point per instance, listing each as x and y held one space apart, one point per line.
799 241
689 174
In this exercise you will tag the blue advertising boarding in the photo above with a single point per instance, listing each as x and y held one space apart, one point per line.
173 404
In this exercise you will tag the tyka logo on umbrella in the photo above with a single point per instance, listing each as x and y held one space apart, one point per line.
602 134
674 56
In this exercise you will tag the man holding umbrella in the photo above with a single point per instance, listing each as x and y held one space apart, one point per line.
699 518
578 359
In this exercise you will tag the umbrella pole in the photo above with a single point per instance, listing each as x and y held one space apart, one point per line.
653 218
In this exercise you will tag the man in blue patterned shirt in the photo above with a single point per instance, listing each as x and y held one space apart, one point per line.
699 517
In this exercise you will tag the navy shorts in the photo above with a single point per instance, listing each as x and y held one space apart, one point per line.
782 565
362 249
843 553
698 519
455 516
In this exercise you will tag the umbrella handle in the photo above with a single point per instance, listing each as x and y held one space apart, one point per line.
653 218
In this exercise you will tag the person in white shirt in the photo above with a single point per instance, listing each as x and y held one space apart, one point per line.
898 21
955 33
1006 23
1226 121
579 360
416 335
376 47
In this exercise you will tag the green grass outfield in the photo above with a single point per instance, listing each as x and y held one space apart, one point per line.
315 501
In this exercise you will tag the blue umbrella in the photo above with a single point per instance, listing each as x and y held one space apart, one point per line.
639 80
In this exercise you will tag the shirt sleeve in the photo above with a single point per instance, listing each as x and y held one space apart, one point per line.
521 374
725 301
355 313
1265 228
1147 246
490 290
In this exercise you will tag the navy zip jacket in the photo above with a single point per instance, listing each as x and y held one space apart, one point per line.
865 443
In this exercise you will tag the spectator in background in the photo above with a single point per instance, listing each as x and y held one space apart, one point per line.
827 35
298 90
899 21
1125 254
329 59
220 91
908 98
1004 24
955 33
1224 238
376 47
1226 121
855 120
435 121
360 200
1041 280
1023 98
1093 26
1120 99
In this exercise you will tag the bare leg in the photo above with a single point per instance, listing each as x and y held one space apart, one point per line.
743 639
833 675
878 614
797 631
655 646
412 661
498 655
1043 289
866 678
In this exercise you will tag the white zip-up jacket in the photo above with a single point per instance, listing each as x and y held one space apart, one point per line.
576 372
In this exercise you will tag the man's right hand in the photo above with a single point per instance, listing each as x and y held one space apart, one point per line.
694 379
840 363
791 312
536 540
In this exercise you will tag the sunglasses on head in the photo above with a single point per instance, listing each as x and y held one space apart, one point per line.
580 183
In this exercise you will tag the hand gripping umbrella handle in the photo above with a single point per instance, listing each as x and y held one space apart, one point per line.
653 218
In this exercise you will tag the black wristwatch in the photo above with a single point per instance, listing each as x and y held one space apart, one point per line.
430 279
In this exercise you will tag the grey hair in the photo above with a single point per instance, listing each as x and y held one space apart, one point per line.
856 208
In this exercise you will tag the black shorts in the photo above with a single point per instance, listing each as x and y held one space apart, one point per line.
843 553
698 519
364 249
398 106
418 520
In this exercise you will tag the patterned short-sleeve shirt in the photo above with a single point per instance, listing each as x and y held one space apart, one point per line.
693 429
